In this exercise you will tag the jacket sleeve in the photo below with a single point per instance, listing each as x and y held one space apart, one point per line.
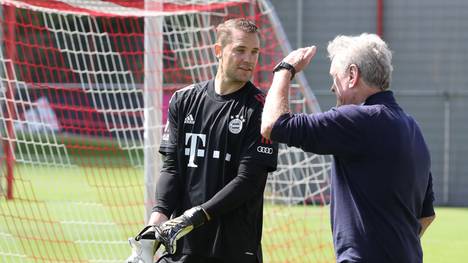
339 131
428 207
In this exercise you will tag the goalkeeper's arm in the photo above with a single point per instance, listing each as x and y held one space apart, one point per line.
168 190
249 182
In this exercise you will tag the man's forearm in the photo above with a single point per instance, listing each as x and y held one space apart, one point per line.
250 181
168 187
277 101
425 222
157 218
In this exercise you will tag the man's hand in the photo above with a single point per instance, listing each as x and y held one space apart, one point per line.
157 218
425 222
301 57
170 231
277 100
144 246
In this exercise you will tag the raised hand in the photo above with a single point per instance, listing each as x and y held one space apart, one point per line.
301 57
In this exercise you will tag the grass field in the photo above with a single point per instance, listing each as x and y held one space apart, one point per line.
85 215
446 240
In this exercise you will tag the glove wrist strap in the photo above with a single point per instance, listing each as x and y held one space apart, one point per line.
196 215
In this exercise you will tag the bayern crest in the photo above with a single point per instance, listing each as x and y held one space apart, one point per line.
236 124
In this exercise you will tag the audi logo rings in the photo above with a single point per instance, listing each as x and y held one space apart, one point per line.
266 150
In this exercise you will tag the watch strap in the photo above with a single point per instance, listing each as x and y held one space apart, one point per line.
284 65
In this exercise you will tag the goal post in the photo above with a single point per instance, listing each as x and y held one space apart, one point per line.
153 100
8 36
84 91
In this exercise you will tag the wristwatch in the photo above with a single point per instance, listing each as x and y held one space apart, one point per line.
284 65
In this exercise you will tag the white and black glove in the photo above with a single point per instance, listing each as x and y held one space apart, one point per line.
172 230
144 246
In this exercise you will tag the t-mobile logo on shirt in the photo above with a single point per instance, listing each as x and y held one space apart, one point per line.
191 140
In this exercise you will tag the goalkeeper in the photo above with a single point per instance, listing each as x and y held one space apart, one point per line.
215 160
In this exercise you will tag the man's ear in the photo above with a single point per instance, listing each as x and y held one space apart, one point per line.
354 75
218 51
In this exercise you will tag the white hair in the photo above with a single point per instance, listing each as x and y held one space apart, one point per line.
368 52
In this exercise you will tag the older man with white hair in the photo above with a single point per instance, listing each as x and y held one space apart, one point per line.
381 190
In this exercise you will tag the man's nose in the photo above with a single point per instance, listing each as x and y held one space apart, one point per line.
250 58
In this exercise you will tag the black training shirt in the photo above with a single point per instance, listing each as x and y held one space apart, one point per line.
211 136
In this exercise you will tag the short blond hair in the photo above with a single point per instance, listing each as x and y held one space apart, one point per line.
224 30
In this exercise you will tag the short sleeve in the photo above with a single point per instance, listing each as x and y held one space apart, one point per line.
169 137
428 207
258 149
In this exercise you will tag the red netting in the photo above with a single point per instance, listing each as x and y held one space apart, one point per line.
78 82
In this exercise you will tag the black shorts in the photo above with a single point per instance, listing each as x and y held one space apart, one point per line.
180 258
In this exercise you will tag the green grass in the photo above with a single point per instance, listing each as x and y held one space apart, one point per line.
86 214
446 239
296 234
73 213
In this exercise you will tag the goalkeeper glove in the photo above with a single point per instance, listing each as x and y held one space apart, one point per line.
144 245
170 231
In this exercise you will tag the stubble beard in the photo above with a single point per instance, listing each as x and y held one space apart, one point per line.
234 77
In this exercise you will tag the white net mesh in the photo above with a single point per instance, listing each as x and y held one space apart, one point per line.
80 84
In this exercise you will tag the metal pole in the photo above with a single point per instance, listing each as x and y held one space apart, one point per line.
380 10
153 94
10 54
252 5
300 14
285 46
446 174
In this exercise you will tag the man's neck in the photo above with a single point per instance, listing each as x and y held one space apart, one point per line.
366 92
225 87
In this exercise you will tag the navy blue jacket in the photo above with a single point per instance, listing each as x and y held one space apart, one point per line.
381 182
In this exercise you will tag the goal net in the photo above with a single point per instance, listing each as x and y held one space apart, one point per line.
84 90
